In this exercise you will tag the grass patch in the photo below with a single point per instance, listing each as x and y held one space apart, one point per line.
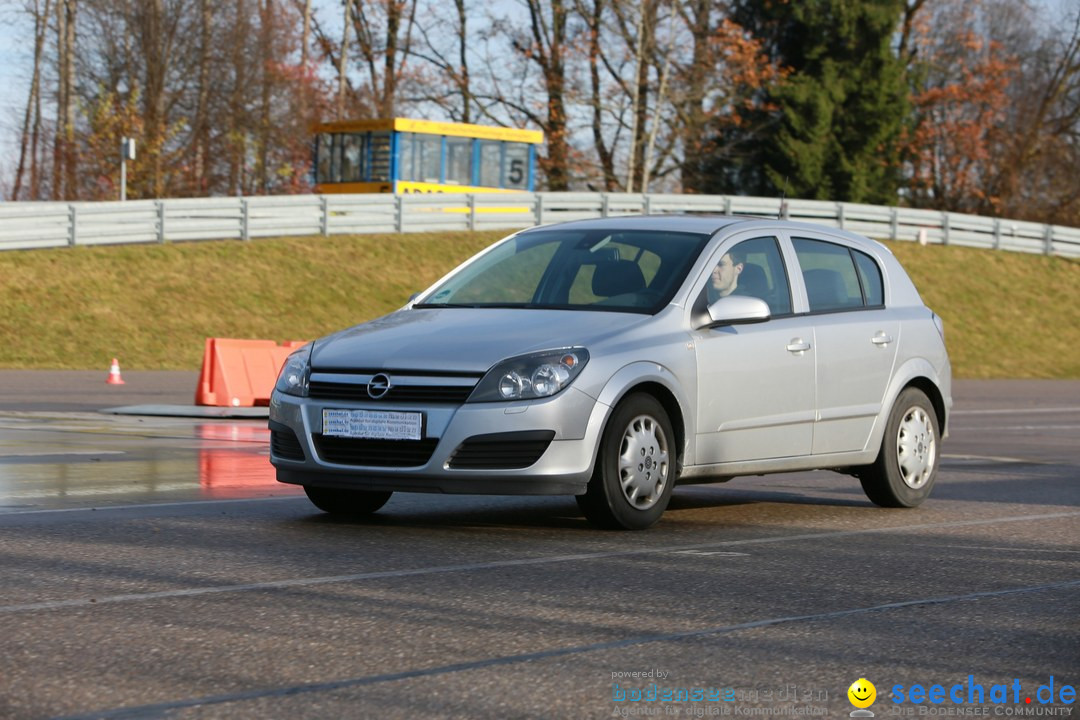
152 306
1006 314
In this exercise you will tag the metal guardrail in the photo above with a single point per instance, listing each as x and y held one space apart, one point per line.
28 225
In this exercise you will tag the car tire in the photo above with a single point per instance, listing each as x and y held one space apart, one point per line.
345 502
635 467
907 463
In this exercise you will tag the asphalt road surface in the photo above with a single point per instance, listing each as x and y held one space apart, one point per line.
152 568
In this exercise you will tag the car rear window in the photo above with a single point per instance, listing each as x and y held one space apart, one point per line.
870 277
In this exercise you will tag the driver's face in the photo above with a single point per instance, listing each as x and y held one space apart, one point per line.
725 276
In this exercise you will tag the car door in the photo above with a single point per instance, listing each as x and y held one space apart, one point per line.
856 339
755 381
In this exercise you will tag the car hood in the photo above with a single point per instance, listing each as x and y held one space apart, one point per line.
462 339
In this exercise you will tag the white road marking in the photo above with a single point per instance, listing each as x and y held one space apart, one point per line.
523 562
161 709
985 428
986 458
60 453
1006 549
146 506
1016 411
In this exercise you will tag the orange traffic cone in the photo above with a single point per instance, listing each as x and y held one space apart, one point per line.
114 374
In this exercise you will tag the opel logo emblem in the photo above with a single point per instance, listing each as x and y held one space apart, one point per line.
379 386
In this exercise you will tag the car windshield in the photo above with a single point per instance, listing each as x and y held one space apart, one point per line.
566 269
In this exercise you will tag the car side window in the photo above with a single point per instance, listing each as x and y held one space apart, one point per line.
753 268
870 277
832 282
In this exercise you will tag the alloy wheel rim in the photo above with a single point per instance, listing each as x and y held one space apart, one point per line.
916 447
643 462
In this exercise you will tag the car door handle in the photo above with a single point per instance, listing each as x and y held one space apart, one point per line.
798 345
881 339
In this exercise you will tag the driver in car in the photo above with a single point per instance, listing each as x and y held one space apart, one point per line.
725 276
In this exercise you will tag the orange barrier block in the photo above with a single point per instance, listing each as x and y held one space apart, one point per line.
240 373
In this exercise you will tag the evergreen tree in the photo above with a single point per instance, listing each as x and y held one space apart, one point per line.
831 129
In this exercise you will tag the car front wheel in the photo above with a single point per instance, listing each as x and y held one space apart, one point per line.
635 467
346 503
907 463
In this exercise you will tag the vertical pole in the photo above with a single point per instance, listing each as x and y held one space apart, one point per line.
539 209
472 211
324 206
727 204
245 222
73 225
605 205
945 229
399 213
840 214
997 234
894 224
161 220
1049 238
127 152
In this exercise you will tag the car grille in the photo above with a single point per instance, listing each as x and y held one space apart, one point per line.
284 443
501 451
455 394
410 386
374 453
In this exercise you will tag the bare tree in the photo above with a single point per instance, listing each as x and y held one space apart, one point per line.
201 123
384 32
342 65
698 18
593 16
443 45
266 80
64 143
997 124
32 117
1033 177
305 37
544 45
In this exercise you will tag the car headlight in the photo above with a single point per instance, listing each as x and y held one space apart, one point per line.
293 378
532 376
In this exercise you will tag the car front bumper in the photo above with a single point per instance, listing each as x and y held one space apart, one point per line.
491 434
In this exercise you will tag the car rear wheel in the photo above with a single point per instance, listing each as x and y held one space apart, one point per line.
346 503
906 466
635 467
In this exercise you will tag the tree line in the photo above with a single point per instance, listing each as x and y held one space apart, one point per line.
963 105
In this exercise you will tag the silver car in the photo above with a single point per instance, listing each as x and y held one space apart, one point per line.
611 359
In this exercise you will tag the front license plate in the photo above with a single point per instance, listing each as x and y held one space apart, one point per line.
373 424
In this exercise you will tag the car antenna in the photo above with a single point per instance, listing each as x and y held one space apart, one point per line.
783 200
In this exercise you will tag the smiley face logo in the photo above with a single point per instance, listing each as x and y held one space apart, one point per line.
862 693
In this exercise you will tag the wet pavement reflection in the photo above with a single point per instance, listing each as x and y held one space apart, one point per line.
52 461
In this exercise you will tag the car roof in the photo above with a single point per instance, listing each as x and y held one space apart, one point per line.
707 225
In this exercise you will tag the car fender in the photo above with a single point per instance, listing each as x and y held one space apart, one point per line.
623 382
908 371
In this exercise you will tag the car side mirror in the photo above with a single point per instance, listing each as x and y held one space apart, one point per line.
738 310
